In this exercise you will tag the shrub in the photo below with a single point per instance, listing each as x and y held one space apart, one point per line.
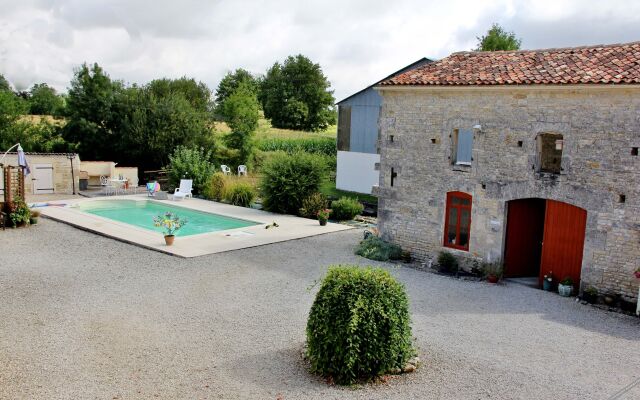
377 249
312 204
359 325
592 291
288 179
215 188
447 262
492 269
346 208
190 163
240 194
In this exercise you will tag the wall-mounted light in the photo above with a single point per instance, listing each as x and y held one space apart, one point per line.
477 127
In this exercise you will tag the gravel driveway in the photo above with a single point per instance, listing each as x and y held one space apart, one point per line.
86 317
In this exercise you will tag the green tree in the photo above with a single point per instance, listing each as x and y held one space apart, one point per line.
196 93
39 137
242 112
11 108
4 84
89 106
138 126
498 39
230 83
148 128
43 100
296 95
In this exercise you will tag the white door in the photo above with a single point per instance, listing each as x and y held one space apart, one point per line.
42 178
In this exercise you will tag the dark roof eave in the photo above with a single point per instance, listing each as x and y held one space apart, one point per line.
405 69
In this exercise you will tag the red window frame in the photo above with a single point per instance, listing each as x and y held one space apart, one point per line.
459 207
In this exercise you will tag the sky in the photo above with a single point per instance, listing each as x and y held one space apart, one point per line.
356 42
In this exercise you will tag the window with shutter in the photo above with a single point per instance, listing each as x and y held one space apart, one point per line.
463 140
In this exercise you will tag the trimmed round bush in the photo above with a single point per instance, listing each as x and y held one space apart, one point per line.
288 179
215 189
312 204
359 325
345 209
240 194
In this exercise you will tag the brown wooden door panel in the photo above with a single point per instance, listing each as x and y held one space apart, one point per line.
525 227
563 241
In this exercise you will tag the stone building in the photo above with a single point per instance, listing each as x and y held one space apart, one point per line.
50 172
529 157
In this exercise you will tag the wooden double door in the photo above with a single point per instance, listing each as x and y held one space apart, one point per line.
544 236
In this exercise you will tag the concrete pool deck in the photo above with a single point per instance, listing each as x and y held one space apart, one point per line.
289 227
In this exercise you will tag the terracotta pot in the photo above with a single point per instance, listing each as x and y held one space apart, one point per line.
492 279
169 239
609 300
323 222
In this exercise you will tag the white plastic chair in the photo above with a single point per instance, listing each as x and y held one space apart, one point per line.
184 190
242 170
225 170
106 184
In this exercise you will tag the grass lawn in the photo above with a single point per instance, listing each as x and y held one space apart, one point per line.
328 188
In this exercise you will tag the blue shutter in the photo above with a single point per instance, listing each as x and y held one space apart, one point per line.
465 145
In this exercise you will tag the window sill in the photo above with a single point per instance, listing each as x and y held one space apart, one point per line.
547 176
459 248
461 167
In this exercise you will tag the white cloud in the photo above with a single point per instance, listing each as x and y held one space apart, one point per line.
356 42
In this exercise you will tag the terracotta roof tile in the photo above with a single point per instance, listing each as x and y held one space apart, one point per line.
616 63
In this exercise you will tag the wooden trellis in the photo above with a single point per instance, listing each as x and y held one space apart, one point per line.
13 183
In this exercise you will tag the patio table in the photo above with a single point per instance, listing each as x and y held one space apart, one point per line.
119 183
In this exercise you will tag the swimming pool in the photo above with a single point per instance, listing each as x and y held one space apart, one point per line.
141 214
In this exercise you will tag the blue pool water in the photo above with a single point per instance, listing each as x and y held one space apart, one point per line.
141 214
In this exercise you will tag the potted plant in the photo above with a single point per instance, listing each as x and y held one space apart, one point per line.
170 224
547 282
35 214
19 213
565 287
492 271
590 295
323 216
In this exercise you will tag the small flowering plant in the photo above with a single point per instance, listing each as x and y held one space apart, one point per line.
637 273
549 277
169 222
323 215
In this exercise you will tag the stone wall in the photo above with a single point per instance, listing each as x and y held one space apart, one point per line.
600 126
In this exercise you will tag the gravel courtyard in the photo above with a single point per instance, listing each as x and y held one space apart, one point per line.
86 317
